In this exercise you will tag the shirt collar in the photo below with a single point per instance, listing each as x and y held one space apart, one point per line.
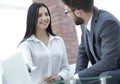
33 37
89 23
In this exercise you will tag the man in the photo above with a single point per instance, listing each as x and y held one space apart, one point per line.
100 42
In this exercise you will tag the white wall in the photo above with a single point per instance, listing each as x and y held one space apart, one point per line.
112 6
12 24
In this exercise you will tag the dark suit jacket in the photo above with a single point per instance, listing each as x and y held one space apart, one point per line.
101 45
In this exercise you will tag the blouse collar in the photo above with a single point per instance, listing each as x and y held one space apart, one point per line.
34 38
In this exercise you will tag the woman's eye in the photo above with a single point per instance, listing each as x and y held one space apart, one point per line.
46 14
39 15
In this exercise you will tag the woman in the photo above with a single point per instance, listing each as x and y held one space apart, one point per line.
44 53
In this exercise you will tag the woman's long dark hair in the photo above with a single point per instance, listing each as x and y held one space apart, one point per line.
32 17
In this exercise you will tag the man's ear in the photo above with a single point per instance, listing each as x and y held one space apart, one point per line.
77 12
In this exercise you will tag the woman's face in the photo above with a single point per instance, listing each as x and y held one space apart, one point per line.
43 18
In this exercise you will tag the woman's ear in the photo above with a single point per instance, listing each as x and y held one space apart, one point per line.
77 12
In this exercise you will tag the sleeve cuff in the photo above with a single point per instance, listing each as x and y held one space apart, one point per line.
76 76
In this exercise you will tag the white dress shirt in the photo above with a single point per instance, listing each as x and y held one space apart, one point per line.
88 26
45 60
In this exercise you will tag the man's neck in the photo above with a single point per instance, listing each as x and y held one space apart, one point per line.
87 17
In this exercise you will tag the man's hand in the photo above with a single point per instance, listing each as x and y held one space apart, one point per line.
52 78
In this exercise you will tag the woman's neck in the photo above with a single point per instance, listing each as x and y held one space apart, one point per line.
43 36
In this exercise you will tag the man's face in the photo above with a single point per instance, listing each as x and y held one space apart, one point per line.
78 20
71 13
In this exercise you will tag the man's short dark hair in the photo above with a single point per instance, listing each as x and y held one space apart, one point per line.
85 5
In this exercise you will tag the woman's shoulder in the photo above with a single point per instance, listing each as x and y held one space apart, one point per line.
28 40
24 44
58 38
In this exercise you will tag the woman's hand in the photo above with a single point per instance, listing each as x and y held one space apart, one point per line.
52 78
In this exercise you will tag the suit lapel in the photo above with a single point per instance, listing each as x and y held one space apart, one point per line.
93 27
89 41
86 42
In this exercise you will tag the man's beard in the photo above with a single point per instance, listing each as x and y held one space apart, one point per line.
78 20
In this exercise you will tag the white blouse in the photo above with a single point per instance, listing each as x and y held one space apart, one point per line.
43 60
